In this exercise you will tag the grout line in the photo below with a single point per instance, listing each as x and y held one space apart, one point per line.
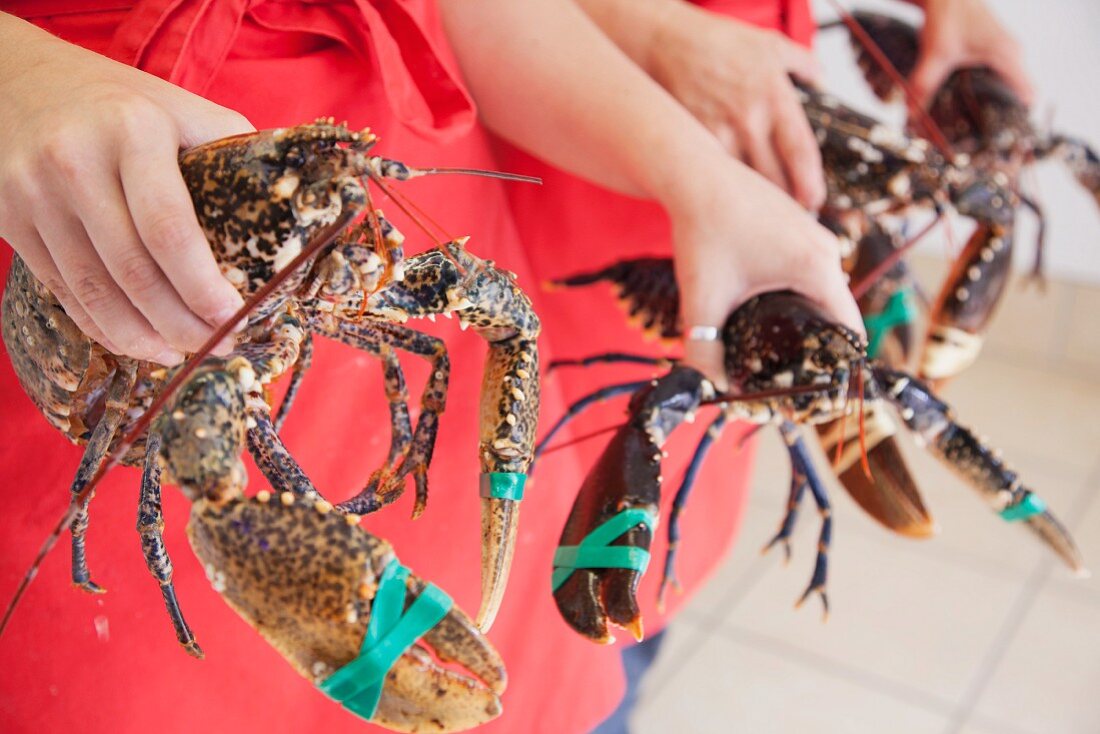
704 627
834 668
1016 616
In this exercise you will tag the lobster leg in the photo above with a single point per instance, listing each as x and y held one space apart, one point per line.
668 577
646 288
150 526
604 393
1081 160
94 453
380 338
612 358
803 472
974 461
272 458
305 359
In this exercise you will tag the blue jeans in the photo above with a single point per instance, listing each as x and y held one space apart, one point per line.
637 659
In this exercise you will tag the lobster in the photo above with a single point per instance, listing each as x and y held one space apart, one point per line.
984 128
276 207
787 364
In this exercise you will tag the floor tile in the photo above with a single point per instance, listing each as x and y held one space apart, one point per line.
728 686
911 618
1031 320
1032 411
1083 336
1048 679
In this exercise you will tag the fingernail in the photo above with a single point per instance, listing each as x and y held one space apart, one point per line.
227 314
169 357
225 346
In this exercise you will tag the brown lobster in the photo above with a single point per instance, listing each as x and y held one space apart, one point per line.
276 206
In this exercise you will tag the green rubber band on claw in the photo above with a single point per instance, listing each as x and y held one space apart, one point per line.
901 309
503 485
391 631
1030 506
596 551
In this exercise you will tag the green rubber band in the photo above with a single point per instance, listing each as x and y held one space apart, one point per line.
1030 506
358 685
596 551
503 485
901 309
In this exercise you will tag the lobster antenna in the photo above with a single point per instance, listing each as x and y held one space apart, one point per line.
582 438
930 127
518 177
860 288
862 424
326 236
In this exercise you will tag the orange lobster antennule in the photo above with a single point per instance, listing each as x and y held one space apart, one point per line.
166 394
931 129
863 429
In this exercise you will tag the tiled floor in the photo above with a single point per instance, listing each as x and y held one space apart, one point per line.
975 631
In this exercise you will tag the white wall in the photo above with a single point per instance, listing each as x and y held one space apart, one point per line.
1061 40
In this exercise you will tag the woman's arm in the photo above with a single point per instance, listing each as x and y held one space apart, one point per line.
546 78
92 199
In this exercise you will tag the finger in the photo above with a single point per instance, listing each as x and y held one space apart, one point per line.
34 253
928 76
165 220
799 60
709 358
108 223
761 154
799 154
1010 68
89 281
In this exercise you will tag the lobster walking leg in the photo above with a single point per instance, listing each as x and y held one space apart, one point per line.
150 526
803 472
381 338
582 404
611 358
95 452
668 577
272 458
305 359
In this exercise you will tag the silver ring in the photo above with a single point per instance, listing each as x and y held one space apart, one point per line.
703 334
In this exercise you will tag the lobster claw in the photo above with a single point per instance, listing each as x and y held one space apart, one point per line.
309 579
885 490
604 547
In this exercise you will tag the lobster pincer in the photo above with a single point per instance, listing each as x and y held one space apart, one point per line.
604 547
452 281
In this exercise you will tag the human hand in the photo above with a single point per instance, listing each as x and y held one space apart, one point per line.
735 79
92 199
965 33
736 236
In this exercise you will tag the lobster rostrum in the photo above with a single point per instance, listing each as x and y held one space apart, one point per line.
988 131
276 206
787 364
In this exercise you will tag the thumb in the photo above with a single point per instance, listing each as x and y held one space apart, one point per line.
210 122
930 72
800 61
709 358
